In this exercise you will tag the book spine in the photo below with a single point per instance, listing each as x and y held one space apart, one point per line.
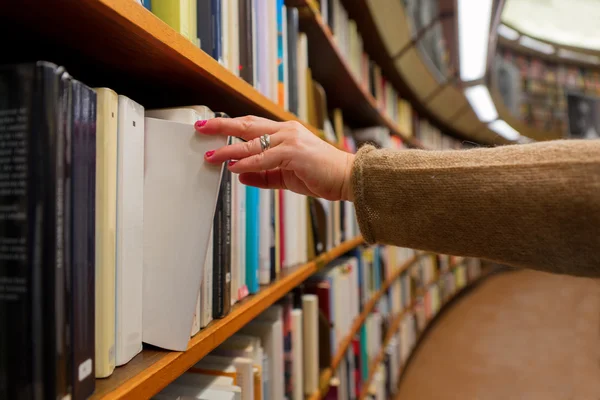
292 51
82 236
245 41
221 302
252 238
217 46
206 28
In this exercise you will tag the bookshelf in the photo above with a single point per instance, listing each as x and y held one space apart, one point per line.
326 374
333 71
121 43
152 370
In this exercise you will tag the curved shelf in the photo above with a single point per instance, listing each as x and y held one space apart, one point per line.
326 374
330 69
153 369
396 322
122 43
422 333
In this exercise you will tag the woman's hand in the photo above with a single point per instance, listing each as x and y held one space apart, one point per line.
297 160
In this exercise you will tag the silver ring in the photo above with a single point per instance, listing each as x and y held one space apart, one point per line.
265 142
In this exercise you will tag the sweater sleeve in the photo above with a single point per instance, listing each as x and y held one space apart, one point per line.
533 206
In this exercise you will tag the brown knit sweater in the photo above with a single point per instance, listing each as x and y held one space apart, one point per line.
534 206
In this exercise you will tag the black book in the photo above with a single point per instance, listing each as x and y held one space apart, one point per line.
221 301
246 37
83 174
292 63
33 338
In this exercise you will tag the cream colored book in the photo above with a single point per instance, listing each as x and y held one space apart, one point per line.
310 324
130 230
106 226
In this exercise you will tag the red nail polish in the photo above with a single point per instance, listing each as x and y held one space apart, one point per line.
209 153
231 163
201 123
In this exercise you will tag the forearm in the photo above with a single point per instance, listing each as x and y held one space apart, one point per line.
535 206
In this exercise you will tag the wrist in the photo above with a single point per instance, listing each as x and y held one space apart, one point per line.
347 190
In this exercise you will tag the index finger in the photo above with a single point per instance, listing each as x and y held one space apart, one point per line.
247 128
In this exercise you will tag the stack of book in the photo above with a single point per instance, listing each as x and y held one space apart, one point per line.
282 352
111 211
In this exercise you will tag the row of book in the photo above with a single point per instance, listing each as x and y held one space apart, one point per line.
110 211
273 56
535 90
281 353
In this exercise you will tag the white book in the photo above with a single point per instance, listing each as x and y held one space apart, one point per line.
180 194
297 350
106 220
241 368
206 286
233 28
290 227
130 230
264 251
225 46
310 311
270 333
262 47
189 115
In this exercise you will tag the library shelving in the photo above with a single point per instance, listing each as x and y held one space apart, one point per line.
152 370
336 76
124 44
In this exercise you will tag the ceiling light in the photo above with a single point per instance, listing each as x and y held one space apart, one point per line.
507 32
574 55
536 45
505 130
474 17
481 102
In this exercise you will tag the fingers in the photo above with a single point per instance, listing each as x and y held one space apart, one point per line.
247 128
271 179
239 151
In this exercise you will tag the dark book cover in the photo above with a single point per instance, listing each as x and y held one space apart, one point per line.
222 247
33 348
217 46
292 40
357 364
319 225
272 237
246 37
83 144
330 14
343 235
205 29
322 290
287 303
281 243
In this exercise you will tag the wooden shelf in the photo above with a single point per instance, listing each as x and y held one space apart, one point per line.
356 325
153 369
122 45
330 69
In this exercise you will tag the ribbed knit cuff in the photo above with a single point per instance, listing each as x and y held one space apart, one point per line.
360 203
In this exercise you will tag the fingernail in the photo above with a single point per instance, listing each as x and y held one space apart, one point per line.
209 153
231 163
201 123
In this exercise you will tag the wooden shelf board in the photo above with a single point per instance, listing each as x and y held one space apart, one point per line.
153 369
333 72
122 45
